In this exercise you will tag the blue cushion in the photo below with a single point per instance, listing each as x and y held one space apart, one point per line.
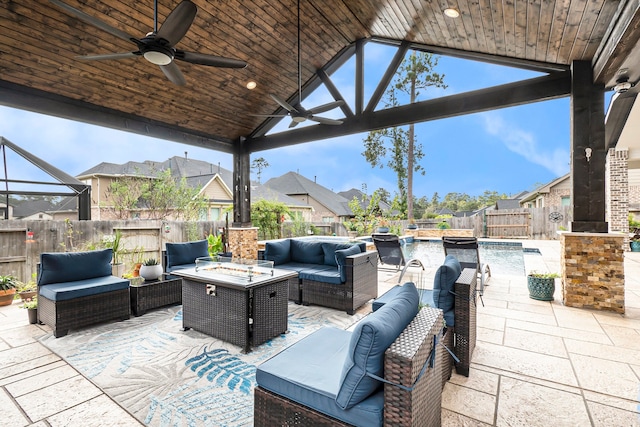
329 251
278 251
186 253
71 266
83 288
309 372
369 341
443 284
327 274
307 251
179 267
341 256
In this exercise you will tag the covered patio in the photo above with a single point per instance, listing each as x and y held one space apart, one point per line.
535 363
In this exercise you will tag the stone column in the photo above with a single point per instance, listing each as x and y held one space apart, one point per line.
593 270
243 242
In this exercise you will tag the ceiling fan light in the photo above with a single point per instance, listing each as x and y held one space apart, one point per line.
158 58
451 12
251 85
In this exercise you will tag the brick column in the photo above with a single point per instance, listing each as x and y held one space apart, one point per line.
243 242
593 270
618 192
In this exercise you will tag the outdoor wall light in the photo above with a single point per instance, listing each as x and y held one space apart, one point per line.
251 85
622 86
451 12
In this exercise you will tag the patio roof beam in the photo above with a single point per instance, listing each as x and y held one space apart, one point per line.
544 88
25 98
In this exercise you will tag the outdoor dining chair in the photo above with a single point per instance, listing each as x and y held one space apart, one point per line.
389 250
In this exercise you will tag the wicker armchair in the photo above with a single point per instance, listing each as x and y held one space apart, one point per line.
416 402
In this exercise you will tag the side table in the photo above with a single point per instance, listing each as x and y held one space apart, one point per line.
154 294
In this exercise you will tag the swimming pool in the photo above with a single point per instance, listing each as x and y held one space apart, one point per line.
503 258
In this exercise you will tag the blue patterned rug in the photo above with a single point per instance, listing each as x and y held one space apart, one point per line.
168 377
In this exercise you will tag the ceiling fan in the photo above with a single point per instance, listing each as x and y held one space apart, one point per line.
298 113
157 46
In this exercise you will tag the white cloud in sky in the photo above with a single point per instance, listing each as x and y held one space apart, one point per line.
524 143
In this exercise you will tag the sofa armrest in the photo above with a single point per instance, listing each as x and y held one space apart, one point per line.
362 276
465 315
420 400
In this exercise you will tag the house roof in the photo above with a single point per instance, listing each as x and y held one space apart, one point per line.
508 204
294 184
544 189
197 174
364 203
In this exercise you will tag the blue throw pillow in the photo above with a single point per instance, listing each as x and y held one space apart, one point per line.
278 251
186 253
341 257
443 284
60 267
369 341
329 250
307 251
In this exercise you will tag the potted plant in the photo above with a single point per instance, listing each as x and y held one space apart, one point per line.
113 242
352 228
412 224
27 290
383 225
215 245
150 269
31 304
541 285
8 286
634 243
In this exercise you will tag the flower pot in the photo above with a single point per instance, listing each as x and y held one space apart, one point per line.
541 288
412 226
136 269
117 269
6 297
352 234
382 229
151 272
33 315
635 246
25 295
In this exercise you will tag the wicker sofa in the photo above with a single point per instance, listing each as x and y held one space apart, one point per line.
76 289
343 276
385 372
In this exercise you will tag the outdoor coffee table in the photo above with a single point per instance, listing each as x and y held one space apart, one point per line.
155 293
244 302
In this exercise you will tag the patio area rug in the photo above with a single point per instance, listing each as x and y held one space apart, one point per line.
168 377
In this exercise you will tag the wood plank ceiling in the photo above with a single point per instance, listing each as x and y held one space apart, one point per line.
39 43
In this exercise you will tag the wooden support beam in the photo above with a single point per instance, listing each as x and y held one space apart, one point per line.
588 154
241 185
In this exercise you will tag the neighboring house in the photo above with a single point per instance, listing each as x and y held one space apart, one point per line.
363 199
328 207
214 181
555 193
67 208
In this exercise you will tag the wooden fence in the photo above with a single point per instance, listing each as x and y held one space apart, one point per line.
22 242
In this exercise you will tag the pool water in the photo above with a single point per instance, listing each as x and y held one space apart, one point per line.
507 258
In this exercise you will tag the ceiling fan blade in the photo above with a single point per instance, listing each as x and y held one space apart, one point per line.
178 22
325 121
326 107
123 55
173 73
211 60
269 115
93 21
284 104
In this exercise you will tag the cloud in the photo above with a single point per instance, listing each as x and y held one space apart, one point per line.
524 143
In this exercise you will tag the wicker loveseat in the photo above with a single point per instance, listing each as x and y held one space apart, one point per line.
76 289
343 276
335 377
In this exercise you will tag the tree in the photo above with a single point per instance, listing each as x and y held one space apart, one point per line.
403 155
267 216
259 164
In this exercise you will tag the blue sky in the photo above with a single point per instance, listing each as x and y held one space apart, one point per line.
507 151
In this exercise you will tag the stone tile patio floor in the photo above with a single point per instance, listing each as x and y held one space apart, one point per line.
535 364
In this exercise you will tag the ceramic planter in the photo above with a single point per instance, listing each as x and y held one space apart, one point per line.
635 246
541 288
33 315
6 297
151 272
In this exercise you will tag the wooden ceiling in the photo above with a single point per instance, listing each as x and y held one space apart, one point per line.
39 43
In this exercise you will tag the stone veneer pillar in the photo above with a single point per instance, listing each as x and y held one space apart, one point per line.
243 242
593 270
